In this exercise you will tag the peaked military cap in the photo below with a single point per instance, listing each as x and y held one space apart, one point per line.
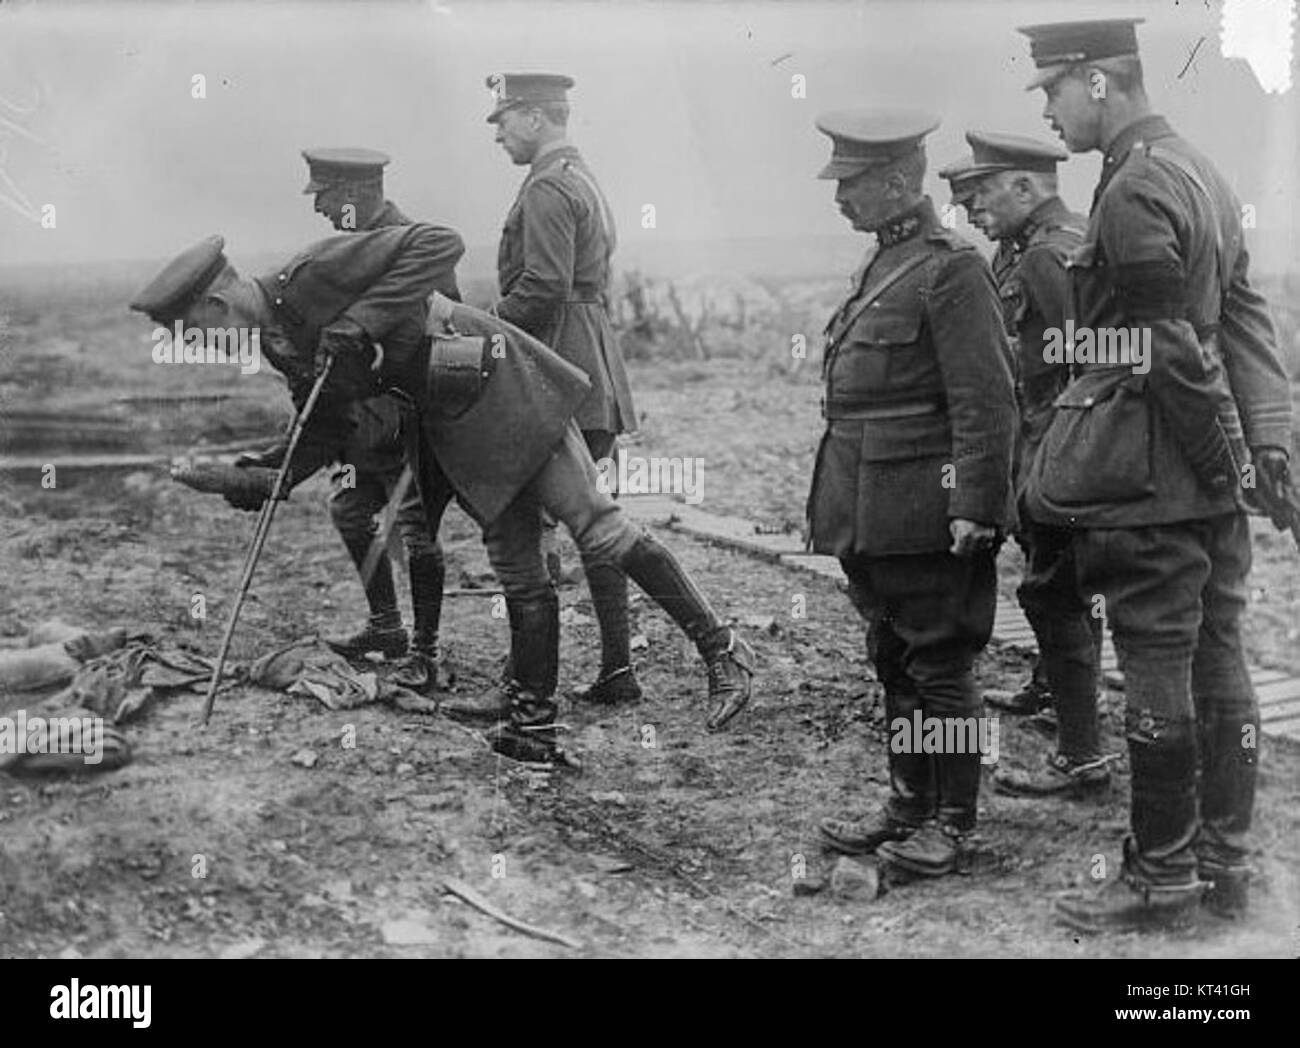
866 138
963 178
516 89
999 152
329 167
1056 46
182 281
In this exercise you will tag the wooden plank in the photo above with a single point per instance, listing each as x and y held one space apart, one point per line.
1258 677
826 567
1286 711
1282 691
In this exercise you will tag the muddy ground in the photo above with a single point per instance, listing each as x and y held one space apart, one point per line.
669 842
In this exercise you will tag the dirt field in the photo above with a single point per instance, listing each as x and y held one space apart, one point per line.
670 842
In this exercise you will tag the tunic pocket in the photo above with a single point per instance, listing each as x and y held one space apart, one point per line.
867 366
1097 449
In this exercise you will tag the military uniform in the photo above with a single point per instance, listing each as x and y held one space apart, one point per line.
553 266
371 467
920 422
1148 466
1029 268
495 410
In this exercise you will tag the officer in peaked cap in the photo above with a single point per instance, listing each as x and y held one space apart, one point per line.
1016 198
1153 456
863 139
512 90
553 268
349 189
340 178
1057 47
912 482
169 296
962 183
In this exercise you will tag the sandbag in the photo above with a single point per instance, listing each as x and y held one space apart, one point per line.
34 669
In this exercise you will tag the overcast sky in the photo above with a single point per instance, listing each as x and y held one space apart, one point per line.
685 106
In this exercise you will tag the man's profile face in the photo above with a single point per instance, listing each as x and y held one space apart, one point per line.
974 215
1073 111
1001 207
517 133
332 202
218 307
866 200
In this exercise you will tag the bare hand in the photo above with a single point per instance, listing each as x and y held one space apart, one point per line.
970 537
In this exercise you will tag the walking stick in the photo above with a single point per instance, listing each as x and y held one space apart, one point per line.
259 539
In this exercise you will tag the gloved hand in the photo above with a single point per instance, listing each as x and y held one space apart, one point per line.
342 337
254 487
1272 482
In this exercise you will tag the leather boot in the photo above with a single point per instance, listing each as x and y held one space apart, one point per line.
526 699
1132 902
1163 761
730 661
384 632
1227 886
423 670
617 683
937 848
1034 696
863 836
1060 776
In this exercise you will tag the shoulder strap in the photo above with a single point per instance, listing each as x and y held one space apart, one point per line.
870 296
603 213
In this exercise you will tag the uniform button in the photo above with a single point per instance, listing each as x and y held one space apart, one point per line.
1089 401
283 277
279 301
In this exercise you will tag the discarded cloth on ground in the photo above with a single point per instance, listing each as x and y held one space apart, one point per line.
309 667
122 684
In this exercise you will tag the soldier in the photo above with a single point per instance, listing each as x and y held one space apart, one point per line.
962 183
913 478
1017 207
553 266
349 192
1152 458
494 408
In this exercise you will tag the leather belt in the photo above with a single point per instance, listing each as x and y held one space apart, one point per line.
839 409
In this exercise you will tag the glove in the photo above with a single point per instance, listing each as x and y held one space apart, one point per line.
252 486
342 337
1272 482
270 458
